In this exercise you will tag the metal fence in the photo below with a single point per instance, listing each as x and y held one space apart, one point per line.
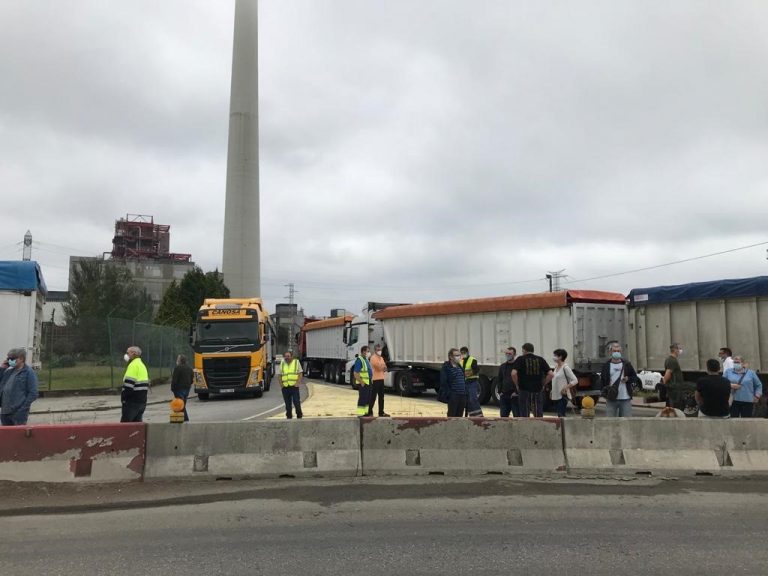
89 356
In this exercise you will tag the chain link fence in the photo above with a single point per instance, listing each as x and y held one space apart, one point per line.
89 355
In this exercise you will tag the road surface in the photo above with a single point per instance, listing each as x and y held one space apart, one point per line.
431 526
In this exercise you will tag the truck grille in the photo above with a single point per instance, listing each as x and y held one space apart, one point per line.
226 372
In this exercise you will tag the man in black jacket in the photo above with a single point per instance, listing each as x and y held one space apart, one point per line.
181 382
508 400
617 378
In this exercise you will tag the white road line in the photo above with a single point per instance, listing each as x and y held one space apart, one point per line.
263 413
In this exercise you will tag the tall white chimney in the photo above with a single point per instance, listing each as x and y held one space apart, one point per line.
242 259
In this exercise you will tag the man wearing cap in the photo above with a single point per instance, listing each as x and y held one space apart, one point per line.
18 389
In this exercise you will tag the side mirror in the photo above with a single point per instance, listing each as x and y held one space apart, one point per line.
345 335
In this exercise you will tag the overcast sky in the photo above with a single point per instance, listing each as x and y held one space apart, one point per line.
410 151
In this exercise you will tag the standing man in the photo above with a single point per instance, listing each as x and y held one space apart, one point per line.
508 398
713 392
135 386
618 374
452 379
747 386
290 377
673 376
726 357
472 379
379 366
530 373
362 371
181 381
18 389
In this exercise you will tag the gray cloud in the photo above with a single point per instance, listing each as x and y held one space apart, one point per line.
409 150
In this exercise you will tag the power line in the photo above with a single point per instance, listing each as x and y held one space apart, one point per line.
654 267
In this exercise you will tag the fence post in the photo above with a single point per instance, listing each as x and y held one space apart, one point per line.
162 360
111 359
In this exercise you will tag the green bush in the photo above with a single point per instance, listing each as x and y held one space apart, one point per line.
65 361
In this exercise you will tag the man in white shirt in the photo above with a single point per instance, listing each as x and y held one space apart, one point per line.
726 358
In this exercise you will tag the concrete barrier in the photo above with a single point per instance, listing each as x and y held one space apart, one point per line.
254 449
666 446
80 452
461 446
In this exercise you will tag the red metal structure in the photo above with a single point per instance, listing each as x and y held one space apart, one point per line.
137 237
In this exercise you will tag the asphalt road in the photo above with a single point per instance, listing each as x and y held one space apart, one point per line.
412 527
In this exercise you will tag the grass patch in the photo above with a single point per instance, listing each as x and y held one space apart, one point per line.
88 377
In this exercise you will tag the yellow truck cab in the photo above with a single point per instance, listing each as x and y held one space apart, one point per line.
232 341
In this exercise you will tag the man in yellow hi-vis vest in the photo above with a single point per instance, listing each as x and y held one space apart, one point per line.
362 372
135 386
472 377
290 378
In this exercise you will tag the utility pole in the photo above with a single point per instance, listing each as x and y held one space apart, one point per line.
27 247
554 278
291 302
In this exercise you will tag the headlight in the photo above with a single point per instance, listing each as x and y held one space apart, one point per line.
200 379
253 380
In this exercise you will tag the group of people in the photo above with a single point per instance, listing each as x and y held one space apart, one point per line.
730 389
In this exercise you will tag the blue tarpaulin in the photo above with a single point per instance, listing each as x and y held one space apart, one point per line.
717 289
21 276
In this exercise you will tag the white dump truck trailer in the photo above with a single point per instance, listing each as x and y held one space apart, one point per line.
417 337
22 297
703 317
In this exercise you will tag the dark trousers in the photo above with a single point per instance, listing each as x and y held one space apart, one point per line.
363 396
292 397
562 406
509 404
377 391
15 419
473 399
527 399
133 411
742 409
183 394
457 403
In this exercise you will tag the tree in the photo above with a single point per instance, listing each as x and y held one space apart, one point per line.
100 289
182 301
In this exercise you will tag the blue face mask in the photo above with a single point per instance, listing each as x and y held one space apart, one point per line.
616 355
736 366
11 362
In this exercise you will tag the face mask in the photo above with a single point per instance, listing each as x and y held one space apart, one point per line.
737 366
457 359
127 358
378 352
510 357
616 355
11 362
367 354
680 352
464 356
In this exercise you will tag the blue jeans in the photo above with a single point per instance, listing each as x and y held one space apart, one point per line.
618 408
473 399
562 406
525 403
292 397
15 419
184 395
508 404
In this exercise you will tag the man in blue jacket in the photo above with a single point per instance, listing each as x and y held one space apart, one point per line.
452 380
18 389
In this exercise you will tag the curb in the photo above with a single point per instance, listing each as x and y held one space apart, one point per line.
97 408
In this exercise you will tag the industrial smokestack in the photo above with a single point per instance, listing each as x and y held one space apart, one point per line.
242 245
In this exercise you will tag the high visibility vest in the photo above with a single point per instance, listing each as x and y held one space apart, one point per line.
365 376
290 372
136 376
468 366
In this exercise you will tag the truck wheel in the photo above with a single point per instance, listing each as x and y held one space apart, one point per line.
327 372
486 389
257 393
339 379
268 379
202 396
403 384
496 396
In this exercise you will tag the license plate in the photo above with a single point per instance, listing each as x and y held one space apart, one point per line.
227 391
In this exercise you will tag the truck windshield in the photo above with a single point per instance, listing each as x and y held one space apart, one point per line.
228 332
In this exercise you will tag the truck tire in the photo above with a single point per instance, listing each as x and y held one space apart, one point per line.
257 393
403 385
327 372
268 379
486 389
202 396
496 396
339 379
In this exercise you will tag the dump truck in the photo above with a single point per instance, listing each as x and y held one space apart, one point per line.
232 342
583 322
